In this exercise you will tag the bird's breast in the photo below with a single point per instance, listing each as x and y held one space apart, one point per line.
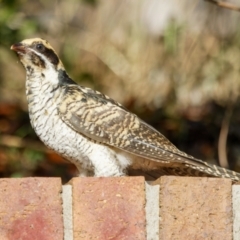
48 125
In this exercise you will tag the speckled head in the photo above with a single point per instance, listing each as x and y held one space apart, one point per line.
37 52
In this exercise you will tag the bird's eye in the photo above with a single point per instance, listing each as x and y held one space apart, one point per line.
40 47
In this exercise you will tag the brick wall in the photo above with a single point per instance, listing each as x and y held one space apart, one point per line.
119 208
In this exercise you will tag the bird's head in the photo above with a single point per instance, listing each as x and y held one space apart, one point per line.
37 53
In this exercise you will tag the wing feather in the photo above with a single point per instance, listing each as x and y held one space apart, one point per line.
103 120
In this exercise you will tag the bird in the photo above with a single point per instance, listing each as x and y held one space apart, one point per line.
93 131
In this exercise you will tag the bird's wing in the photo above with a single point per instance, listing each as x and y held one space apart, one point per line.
101 119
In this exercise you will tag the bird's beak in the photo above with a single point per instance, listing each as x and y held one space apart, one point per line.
19 48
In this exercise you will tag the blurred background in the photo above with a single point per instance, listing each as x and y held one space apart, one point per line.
174 63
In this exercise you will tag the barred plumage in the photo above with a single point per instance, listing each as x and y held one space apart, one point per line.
93 131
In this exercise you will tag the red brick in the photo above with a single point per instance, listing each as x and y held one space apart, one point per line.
30 208
195 208
109 208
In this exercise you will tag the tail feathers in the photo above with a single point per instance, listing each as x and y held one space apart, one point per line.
214 171
208 170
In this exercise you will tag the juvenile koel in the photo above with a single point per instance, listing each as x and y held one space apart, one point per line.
93 131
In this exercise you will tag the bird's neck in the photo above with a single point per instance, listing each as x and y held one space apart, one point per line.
40 85
41 80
